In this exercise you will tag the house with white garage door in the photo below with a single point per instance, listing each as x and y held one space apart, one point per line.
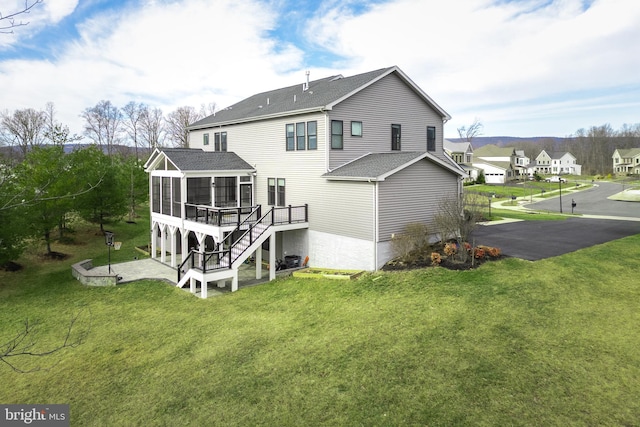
325 171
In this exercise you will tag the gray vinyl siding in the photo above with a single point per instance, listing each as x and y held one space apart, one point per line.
412 195
388 101
346 208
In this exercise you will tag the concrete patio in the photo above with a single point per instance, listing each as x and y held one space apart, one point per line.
151 269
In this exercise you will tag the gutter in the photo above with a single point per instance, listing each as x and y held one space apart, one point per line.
256 118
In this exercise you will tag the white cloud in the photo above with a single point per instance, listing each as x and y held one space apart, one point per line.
516 65
166 55
468 54
59 9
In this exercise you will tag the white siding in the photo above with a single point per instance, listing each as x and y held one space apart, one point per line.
327 250
336 207
263 145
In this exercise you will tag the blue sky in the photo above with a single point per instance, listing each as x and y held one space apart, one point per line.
522 67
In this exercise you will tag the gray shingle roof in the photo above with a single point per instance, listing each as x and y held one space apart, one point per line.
189 159
293 99
374 165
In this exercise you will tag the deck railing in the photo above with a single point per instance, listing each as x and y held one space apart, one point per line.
217 216
252 228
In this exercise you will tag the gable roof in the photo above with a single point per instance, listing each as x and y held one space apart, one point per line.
193 159
560 154
628 152
379 166
491 150
321 95
457 147
496 164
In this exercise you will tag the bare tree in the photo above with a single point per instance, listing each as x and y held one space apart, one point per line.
457 217
132 122
475 129
102 124
24 128
177 123
8 21
56 132
23 344
208 109
152 127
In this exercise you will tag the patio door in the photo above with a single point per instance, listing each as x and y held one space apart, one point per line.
246 195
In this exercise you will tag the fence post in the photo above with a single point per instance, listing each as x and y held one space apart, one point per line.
289 214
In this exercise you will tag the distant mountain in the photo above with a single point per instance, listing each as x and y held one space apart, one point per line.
12 151
506 141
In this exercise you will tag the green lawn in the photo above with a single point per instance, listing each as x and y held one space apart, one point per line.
528 189
553 342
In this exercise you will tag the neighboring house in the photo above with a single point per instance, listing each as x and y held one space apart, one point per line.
626 161
496 172
329 169
462 154
502 164
556 163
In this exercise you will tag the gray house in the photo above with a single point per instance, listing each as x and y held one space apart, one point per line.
326 171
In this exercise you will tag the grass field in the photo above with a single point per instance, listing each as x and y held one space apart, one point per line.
528 189
553 342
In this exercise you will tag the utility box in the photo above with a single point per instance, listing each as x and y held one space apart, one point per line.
292 261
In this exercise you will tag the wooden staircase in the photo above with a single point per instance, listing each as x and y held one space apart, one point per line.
240 244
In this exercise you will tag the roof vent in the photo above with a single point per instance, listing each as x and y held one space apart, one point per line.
305 86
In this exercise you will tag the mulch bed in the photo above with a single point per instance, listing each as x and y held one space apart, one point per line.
450 263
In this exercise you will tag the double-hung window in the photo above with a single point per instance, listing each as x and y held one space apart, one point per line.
223 141
395 137
205 139
290 132
280 199
312 135
336 135
300 137
220 141
431 138
276 191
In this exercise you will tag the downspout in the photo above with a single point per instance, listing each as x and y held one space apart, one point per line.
375 223
327 140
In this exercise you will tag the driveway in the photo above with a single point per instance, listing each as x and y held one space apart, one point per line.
534 240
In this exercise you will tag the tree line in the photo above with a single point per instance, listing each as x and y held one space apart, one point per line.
135 125
42 185
592 147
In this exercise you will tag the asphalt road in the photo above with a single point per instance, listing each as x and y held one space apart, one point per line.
534 240
591 202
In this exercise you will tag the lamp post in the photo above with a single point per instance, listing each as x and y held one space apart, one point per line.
108 240
560 185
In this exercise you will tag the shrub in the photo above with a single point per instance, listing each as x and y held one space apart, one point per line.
436 259
479 253
490 251
450 249
407 246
